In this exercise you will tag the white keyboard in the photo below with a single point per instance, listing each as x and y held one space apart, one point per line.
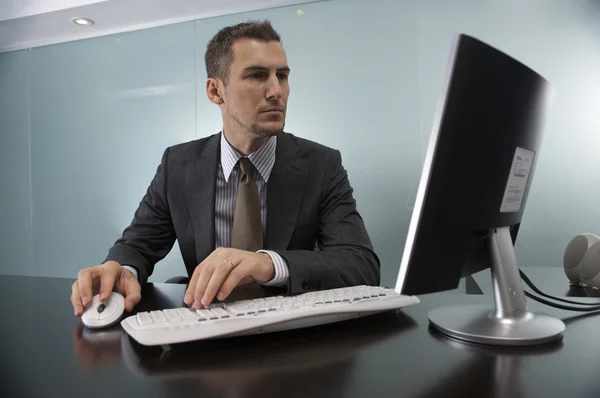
263 315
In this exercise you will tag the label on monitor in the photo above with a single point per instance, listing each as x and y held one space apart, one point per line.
517 180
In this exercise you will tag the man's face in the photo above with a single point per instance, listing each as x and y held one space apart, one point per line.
255 97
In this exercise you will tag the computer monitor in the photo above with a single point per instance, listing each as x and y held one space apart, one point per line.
476 177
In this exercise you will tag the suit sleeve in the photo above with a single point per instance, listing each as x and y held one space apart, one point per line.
345 256
151 234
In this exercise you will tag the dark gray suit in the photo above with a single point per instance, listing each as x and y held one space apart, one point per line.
309 202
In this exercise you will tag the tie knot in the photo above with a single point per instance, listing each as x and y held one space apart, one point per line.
246 167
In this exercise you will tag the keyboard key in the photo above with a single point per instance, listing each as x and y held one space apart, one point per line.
239 307
204 314
143 318
186 313
220 312
172 315
238 311
158 317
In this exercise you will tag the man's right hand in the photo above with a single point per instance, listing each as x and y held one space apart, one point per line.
104 279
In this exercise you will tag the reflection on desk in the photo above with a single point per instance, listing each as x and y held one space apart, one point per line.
253 365
491 372
278 353
97 347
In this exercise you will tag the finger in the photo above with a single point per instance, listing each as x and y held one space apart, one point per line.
85 278
205 276
236 277
133 293
191 289
222 272
76 299
107 282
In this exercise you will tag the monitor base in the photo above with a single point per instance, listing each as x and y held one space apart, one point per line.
479 324
508 322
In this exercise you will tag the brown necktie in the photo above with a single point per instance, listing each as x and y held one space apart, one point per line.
246 233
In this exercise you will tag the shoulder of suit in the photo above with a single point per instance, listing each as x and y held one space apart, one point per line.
191 149
307 145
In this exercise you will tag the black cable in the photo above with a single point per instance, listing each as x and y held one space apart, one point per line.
591 307
538 291
561 306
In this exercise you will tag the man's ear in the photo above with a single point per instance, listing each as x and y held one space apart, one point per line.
214 91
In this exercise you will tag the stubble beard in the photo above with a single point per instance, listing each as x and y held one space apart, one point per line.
254 130
257 132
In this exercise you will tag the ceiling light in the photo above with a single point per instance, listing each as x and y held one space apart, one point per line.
300 12
83 21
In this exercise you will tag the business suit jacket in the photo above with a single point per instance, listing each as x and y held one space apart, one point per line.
312 220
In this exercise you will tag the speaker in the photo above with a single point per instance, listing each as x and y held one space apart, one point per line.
575 253
589 269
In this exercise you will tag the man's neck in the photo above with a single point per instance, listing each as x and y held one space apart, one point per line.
243 142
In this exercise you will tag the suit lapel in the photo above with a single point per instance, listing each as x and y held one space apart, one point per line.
284 193
200 188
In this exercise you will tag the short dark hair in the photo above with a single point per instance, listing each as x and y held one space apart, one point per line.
219 52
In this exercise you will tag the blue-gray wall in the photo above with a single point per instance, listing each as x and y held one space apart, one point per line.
83 124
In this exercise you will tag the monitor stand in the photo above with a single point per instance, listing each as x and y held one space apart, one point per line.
509 323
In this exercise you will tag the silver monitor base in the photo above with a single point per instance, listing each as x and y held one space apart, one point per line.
509 323
478 324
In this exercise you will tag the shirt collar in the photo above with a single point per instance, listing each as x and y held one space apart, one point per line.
263 158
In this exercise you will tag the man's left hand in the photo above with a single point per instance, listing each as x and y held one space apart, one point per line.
222 271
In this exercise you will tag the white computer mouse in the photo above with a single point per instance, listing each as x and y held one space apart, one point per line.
101 315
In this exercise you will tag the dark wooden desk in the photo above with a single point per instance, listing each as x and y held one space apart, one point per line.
45 353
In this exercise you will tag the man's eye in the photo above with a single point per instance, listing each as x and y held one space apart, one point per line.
283 76
258 76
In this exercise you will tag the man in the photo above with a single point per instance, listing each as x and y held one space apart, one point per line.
247 205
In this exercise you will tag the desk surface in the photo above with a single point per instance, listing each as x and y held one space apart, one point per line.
46 353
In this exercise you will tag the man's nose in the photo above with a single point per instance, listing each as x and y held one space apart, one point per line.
274 88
